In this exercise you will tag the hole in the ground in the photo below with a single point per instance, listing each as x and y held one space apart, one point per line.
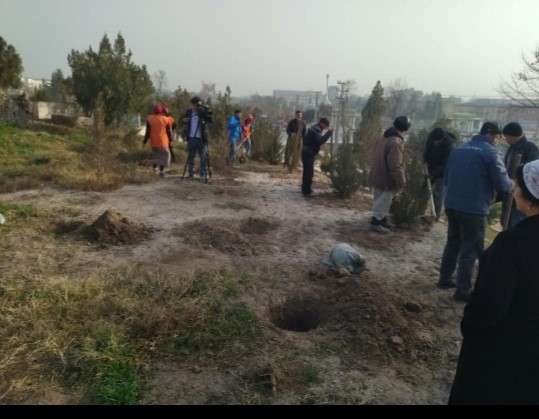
297 314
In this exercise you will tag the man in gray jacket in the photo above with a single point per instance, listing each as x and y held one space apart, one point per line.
386 175
473 175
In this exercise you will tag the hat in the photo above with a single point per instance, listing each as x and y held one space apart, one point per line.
402 123
195 100
158 109
490 128
530 174
513 129
437 134
324 121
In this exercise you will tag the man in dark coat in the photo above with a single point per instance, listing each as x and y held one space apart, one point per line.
295 131
312 141
386 174
439 144
518 144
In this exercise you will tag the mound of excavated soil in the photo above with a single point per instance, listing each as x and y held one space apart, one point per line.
256 226
111 228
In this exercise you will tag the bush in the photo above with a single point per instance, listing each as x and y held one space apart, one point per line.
412 202
266 143
346 177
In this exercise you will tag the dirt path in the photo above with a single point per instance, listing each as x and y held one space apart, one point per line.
391 336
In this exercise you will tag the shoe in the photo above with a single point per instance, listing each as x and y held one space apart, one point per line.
462 298
162 174
155 170
190 178
378 228
444 285
308 195
385 224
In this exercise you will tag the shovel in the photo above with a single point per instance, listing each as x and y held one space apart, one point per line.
431 217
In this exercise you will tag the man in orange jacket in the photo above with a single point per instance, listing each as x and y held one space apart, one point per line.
159 133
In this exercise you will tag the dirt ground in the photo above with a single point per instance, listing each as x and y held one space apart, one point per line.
391 336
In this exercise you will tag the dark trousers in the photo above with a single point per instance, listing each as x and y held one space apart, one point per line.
307 157
465 243
196 146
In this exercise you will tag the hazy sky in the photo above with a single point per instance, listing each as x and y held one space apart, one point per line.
457 47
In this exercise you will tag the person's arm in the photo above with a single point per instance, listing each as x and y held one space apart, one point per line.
498 174
147 134
395 164
323 138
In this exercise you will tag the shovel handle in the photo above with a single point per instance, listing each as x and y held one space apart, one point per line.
509 201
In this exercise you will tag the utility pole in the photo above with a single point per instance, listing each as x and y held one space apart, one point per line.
342 97
316 106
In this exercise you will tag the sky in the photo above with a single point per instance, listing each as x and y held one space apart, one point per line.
460 48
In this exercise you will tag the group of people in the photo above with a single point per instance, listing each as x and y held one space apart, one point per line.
239 136
160 128
498 362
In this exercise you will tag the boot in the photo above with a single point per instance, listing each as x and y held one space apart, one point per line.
377 227
385 223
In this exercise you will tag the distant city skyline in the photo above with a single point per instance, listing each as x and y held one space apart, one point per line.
463 48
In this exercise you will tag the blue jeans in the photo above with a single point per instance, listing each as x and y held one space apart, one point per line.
233 151
465 243
438 194
247 147
196 146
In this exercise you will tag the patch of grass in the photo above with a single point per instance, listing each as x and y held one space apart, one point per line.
73 159
17 211
93 336
310 374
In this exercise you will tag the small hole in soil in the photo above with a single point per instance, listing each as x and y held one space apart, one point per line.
297 314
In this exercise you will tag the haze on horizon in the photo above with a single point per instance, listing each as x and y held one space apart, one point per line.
457 47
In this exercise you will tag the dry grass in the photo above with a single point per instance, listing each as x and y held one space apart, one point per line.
65 331
59 332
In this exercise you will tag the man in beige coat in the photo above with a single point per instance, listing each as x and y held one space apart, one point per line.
386 175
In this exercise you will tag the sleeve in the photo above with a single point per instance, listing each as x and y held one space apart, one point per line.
498 173
289 128
532 152
395 162
494 287
147 134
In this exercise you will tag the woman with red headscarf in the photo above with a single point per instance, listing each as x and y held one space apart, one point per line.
246 127
159 132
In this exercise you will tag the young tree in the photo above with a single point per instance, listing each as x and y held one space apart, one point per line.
125 87
370 127
10 66
523 88
395 97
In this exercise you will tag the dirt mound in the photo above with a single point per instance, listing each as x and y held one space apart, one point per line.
111 228
256 226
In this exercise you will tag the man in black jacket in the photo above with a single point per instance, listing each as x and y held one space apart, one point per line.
518 144
439 145
312 141
295 130
196 137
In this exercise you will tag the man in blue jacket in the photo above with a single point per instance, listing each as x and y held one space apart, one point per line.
473 175
233 125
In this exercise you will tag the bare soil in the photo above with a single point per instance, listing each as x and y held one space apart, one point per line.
384 336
